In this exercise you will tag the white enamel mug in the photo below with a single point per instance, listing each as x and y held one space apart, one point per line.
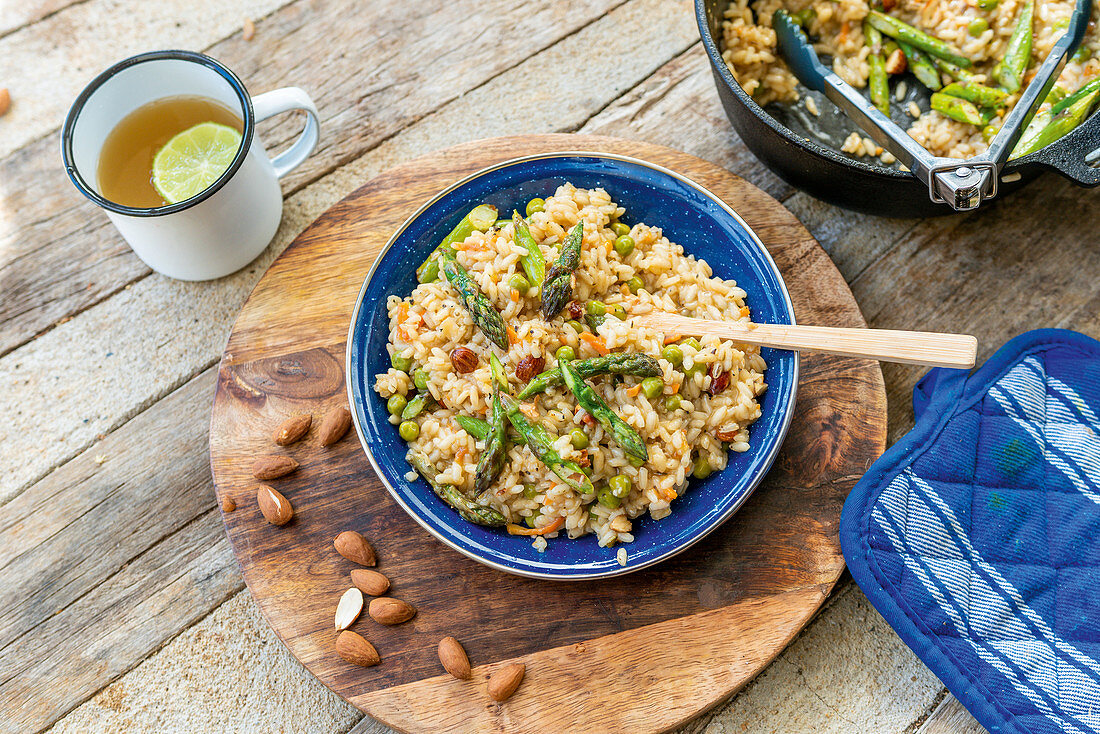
226 226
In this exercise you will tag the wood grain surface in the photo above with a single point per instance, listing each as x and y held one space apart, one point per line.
701 624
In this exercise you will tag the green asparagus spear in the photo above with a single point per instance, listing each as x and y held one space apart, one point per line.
487 318
476 427
467 509
497 370
541 443
534 264
615 426
480 218
979 94
902 31
1059 126
1010 71
921 66
557 288
622 363
957 109
416 406
1084 91
877 82
955 71
491 461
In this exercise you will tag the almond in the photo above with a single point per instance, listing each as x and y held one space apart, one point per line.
275 507
5 101
528 367
454 658
895 62
463 360
228 505
293 429
370 582
505 681
335 425
355 649
248 29
349 608
354 547
273 466
387 610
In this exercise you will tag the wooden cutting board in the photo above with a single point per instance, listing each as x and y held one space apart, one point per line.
640 653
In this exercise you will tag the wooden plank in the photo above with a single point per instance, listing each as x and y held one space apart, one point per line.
58 254
949 717
176 341
105 562
14 16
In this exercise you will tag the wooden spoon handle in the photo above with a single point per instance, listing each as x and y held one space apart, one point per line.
907 347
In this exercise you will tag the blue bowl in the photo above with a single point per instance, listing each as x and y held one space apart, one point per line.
689 215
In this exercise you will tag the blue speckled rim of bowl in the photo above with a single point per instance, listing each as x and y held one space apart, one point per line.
614 570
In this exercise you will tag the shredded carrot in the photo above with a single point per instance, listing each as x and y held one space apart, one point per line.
633 391
596 342
513 337
668 495
515 296
460 455
514 529
670 338
744 310
843 35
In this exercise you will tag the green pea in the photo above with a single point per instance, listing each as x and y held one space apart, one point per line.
635 461
652 386
693 343
977 27
620 229
530 491
420 379
408 430
519 282
396 404
535 205
635 284
595 308
617 311
619 485
578 438
672 402
702 468
1082 54
575 325
565 354
673 355
607 499
988 4
624 245
530 521
401 363
696 368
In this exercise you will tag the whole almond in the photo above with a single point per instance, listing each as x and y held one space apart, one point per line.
248 29
387 610
505 681
293 429
228 505
464 360
454 658
370 582
349 608
5 101
335 424
354 547
355 649
275 507
273 466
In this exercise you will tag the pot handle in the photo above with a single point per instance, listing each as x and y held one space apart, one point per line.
1072 155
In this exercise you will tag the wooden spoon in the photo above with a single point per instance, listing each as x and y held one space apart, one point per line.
907 347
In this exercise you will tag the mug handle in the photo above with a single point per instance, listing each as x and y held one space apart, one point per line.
286 99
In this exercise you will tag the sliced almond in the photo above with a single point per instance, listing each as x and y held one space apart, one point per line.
355 649
334 425
354 547
273 466
387 610
248 29
505 681
293 429
454 658
349 608
5 101
370 582
276 508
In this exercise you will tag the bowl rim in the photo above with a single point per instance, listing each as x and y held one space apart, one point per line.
616 570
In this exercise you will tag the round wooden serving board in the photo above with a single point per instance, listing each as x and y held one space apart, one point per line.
639 653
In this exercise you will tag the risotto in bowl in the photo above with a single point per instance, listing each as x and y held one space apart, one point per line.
511 406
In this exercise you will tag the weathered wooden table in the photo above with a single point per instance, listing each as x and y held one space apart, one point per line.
121 606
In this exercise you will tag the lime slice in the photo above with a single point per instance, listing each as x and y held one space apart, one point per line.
191 161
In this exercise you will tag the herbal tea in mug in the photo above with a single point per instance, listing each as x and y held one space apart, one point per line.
167 151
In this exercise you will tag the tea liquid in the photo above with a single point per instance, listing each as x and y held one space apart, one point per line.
125 169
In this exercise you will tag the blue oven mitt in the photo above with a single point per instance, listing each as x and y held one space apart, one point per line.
977 535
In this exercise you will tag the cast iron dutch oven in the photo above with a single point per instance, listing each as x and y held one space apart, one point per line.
796 145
